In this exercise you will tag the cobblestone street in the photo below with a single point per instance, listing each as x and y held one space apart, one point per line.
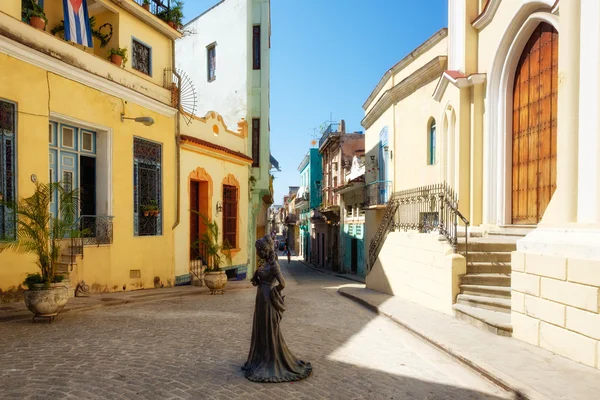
193 347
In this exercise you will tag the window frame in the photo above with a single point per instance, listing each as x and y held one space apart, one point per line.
256 47
134 39
213 47
14 184
256 142
431 143
138 213
230 204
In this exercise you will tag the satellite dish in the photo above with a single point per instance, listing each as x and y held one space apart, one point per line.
183 91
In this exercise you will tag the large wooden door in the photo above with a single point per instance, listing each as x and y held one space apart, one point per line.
194 219
534 126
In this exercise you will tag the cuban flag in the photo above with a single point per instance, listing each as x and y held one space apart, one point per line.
77 22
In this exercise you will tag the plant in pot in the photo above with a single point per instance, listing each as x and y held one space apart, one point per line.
34 13
150 210
146 5
118 56
177 15
41 233
214 254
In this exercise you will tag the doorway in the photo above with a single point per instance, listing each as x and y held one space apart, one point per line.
198 208
534 136
354 256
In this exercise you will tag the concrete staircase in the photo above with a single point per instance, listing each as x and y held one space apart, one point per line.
68 260
484 298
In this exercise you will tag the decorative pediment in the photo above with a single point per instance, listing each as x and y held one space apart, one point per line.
458 79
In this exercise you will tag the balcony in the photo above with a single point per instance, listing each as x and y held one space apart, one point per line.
96 229
291 219
377 193
331 130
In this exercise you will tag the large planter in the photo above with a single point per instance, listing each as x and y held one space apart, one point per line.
215 281
38 23
46 301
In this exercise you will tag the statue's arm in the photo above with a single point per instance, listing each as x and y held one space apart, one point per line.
279 277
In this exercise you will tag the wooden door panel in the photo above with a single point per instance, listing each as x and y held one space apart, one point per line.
534 126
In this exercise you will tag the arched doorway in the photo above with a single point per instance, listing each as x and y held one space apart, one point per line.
535 97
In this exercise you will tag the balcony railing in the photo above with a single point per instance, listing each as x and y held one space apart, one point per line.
331 129
378 193
96 229
291 219
160 8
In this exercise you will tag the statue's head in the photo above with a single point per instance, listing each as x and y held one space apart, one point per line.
265 249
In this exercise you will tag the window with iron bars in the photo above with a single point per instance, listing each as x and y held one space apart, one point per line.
230 206
141 57
147 185
7 169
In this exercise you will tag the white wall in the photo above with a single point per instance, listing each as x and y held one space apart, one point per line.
227 26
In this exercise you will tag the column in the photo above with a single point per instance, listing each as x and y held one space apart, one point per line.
563 206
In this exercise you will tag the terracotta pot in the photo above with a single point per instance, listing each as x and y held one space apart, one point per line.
155 213
171 24
46 301
146 213
116 59
146 7
215 281
37 22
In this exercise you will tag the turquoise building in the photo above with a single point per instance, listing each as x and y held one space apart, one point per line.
309 197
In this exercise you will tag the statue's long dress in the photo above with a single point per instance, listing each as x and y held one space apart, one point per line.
269 359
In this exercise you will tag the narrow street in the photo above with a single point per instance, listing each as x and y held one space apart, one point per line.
193 347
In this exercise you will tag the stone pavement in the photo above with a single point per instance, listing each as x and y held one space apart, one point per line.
192 347
515 365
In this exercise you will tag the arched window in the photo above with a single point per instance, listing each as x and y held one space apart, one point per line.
431 143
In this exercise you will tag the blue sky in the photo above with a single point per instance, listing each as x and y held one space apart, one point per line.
326 58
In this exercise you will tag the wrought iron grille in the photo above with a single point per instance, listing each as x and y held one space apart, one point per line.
96 229
147 165
378 193
140 57
160 8
7 170
230 216
331 129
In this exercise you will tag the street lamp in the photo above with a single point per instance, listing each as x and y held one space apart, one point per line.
148 121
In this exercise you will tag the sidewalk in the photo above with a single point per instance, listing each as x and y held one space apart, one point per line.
351 277
18 311
510 363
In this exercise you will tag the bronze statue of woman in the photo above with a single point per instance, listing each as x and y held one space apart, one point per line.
269 359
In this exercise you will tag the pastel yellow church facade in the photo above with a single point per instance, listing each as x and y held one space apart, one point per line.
493 122
68 115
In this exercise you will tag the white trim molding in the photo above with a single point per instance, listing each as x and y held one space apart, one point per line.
488 13
497 140
457 79
405 88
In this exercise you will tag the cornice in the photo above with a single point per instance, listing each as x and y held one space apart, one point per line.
491 7
425 46
427 73
457 79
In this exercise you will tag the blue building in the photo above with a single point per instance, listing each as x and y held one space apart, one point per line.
309 197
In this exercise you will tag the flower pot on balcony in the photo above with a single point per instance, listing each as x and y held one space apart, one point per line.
37 23
146 7
116 59
146 213
171 24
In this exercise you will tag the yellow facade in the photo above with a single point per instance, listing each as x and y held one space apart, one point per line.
212 155
51 81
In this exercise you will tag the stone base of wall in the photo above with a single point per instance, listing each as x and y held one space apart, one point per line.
556 301
418 267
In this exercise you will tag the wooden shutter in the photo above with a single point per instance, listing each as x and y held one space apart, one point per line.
535 98
256 47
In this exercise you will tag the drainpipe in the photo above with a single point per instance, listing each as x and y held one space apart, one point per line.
177 144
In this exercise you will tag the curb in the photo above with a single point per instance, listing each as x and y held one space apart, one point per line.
23 315
505 382
327 272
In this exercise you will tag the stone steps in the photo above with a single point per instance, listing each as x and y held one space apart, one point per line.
491 256
488 268
488 279
498 304
486 291
492 321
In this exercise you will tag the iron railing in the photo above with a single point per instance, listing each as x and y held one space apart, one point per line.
425 209
291 219
96 229
160 8
331 129
378 193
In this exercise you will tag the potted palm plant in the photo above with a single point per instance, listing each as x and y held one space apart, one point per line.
215 255
41 233
146 5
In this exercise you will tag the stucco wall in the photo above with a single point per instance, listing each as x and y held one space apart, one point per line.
226 25
105 267
418 267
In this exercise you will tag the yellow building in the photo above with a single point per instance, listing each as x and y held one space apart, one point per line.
68 114
214 183
495 126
